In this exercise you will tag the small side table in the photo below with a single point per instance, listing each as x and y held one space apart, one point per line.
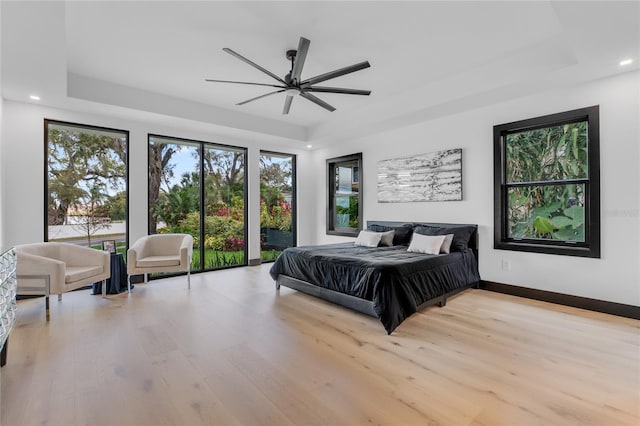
117 283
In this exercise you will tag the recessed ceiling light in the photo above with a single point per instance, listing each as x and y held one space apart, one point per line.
626 62
309 146
34 97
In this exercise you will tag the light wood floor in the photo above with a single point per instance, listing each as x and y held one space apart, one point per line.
232 350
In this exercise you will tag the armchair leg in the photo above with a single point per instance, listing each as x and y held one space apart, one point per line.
60 297
189 278
46 288
47 292
146 278
104 288
129 283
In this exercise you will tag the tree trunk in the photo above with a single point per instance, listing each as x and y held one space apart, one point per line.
159 157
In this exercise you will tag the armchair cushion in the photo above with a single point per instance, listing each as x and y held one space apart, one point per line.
77 273
158 261
160 253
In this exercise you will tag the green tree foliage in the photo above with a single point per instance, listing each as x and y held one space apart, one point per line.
179 205
351 212
276 172
270 195
115 206
220 231
554 211
182 199
275 181
278 216
224 175
78 161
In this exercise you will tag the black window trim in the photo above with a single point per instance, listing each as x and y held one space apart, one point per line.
591 246
294 195
331 162
48 121
201 146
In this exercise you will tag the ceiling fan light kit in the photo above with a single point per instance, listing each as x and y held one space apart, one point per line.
293 85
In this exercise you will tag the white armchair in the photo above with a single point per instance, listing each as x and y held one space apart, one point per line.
160 253
59 267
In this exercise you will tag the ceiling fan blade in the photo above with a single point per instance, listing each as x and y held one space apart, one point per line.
317 101
337 73
253 64
287 105
298 62
338 90
260 97
242 82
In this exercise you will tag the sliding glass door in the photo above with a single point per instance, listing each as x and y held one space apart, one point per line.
277 204
199 188
225 223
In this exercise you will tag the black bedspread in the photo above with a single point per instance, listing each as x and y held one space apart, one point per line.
396 281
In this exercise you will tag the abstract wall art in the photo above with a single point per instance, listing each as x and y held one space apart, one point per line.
436 176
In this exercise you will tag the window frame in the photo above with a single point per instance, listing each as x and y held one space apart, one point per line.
47 122
294 195
331 190
591 246
201 146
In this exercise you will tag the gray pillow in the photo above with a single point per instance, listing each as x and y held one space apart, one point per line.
387 238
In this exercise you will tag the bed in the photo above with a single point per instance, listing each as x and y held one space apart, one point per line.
386 282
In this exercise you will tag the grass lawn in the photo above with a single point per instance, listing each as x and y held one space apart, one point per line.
216 259
212 258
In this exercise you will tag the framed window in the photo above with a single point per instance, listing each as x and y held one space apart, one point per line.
277 204
86 184
547 184
344 189
200 188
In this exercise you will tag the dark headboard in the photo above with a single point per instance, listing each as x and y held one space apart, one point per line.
473 241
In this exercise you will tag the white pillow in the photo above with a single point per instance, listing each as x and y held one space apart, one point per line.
446 244
368 239
429 244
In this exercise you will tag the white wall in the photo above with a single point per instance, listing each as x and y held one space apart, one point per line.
2 171
22 166
2 246
615 277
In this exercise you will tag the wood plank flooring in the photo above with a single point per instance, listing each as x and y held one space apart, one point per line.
233 350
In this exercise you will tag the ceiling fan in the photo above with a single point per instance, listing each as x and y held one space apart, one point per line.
292 84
